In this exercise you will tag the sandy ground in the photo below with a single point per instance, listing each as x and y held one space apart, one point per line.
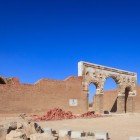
119 127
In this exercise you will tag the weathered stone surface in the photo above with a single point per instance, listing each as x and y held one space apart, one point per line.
16 135
6 129
31 128
98 74
19 125
3 132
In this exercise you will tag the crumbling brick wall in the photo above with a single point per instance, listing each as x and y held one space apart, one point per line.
41 96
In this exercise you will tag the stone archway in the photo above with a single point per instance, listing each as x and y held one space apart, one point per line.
98 74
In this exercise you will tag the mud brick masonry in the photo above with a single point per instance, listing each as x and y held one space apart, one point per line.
71 94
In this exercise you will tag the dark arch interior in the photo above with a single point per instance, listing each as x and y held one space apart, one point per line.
91 94
2 81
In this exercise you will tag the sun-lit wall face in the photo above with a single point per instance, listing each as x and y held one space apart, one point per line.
43 95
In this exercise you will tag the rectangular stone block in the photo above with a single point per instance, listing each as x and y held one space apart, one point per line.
101 136
134 138
77 134
64 132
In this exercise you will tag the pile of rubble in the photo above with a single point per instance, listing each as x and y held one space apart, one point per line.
54 114
59 114
32 131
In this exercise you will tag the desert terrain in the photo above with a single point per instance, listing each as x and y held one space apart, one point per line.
119 126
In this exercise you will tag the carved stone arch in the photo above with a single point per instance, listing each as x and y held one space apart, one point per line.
117 81
96 83
2 80
116 78
99 74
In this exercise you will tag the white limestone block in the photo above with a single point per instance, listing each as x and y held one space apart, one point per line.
64 132
77 134
101 135
47 130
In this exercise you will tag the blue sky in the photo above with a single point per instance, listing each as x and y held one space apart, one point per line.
46 39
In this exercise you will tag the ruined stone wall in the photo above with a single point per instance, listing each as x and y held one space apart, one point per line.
41 96
47 94
111 96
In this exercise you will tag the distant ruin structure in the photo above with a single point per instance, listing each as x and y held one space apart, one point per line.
71 94
97 74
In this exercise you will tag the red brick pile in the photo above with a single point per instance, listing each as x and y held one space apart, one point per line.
55 114
59 114
90 114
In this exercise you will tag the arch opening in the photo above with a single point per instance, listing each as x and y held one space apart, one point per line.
110 84
91 93
110 95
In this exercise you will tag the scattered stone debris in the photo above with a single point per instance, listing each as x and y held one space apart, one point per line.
28 129
32 131
16 135
59 114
